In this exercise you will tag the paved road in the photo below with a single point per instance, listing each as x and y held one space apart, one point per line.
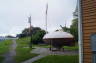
35 58
9 56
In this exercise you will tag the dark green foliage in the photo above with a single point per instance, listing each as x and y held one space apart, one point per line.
1 58
36 33
26 31
21 35
74 29
37 37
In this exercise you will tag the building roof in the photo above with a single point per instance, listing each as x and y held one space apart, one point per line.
58 34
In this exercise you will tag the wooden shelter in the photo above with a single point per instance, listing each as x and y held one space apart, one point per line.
87 31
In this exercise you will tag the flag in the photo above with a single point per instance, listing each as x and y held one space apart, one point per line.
29 19
46 8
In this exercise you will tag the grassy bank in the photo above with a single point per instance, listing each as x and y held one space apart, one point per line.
4 48
23 50
58 59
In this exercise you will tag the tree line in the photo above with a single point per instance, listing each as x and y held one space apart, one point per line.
36 32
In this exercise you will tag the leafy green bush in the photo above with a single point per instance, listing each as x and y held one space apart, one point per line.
37 37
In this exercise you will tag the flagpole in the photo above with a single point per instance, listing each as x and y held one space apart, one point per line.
46 23
46 16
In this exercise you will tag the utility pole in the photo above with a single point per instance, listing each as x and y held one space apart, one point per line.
30 31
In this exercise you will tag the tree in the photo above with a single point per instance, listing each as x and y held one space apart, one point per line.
65 29
74 29
37 34
26 32
38 37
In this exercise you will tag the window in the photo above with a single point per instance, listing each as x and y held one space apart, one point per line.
93 45
93 42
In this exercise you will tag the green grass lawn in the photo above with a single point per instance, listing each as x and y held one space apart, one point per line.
4 47
73 48
58 59
23 53
41 45
1 58
23 50
25 42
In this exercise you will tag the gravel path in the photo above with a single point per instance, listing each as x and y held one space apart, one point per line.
40 50
9 56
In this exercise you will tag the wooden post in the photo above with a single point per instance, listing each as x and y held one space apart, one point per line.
30 29
50 45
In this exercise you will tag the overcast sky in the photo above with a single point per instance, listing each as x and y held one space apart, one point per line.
14 14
